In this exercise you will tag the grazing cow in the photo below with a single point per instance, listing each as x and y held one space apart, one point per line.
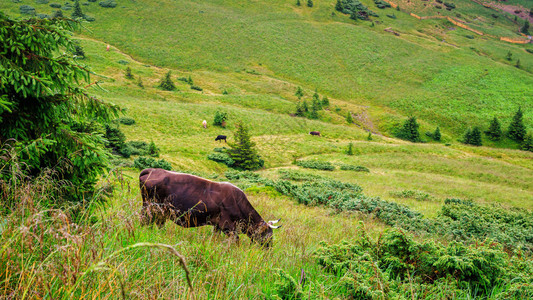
192 201
204 123
317 133
220 138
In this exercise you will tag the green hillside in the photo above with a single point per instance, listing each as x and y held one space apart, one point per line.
399 237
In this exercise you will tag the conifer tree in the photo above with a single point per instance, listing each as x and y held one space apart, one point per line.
349 151
243 151
509 56
517 63
475 138
140 82
517 129
349 118
299 93
325 101
354 15
128 74
299 109
310 3
77 13
369 137
527 144
436 134
339 6
166 83
495 130
305 106
189 80
316 102
58 14
525 28
298 3
409 130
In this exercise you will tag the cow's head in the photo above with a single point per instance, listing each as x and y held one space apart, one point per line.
263 233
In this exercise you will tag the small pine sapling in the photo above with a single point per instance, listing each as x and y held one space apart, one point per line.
325 101
166 82
349 118
369 137
436 134
349 151
339 6
128 74
517 129
77 13
140 82
310 3
299 93
495 130
527 144
298 3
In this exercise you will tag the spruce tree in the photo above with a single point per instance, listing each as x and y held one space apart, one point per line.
77 13
436 135
166 83
310 3
349 118
517 129
527 144
128 74
339 6
299 109
189 80
467 137
325 101
243 151
525 28
349 151
298 3
57 14
517 63
475 138
409 130
495 130
369 136
305 106
140 82
354 15
317 105
299 93
509 56
313 114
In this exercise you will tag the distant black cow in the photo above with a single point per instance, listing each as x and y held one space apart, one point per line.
220 138
315 133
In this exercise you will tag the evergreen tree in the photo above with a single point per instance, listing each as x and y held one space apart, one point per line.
509 56
354 14
140 82
310 3
349 118
299 109
128 74
369 137
339 6
313 114
298 3
409 130
243 151
78 52
517 63
166 83
51 121
436 134
325 101
473 137
305 106
317 105
517 129
527 144
189 80
349 151
77 13
495 130
299 93
467 137
525 28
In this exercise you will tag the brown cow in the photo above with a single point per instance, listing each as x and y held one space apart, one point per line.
192 201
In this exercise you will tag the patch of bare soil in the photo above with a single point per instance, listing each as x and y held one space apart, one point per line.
516 10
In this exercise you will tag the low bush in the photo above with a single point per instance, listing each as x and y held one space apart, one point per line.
42 1
221 158
197 88
126 121
108 3
220 118
315 164
449 5
27 10
143 162
417 195
346 167
55 5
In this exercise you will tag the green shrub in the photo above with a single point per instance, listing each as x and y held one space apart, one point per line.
55 5
527 144
27 10
197 88
128 74
517 129
473 137
349 151
286 287
221 158
43 16
243 151
138 147
346 167
243 175
409 130
123 62
108 3
418 195
42 1
166 83
220 118
315 164
153 150
126 121
115 137
149 162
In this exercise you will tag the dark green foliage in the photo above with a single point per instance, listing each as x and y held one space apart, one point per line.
393 16
153 150
517 129
527 144
221 157
357 10
509 56
315 164
27 10
349 151
339 6
128 74
417 195
57 14
77 12
220 118
299 93
166 83
346 167
142 163
189 80
53 122
126 121
43 16
409 130
495 130
79 52
55 5
140 82
298 3
449 5
325 101
243 175
123 62
243 151
310 3
517 63
300 112
305 107
108 3
436 134
115 137
369 137
381 4
473 137
197 88
41 1
225 92
525 28
286 287
349 118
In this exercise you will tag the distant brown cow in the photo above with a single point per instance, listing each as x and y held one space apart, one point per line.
315 133
192 201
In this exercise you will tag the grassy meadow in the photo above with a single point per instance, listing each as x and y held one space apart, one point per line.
249 58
